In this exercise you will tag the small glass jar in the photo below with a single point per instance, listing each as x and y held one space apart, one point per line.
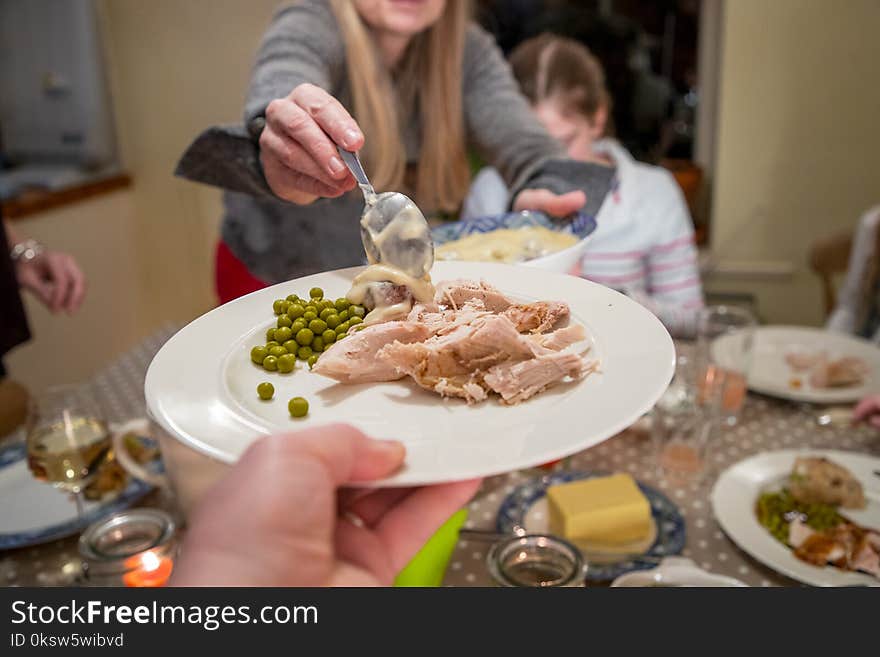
536 560
133 548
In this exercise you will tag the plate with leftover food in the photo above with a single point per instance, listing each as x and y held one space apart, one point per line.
813 515
480 369
529 238
807 364
35 512
621 525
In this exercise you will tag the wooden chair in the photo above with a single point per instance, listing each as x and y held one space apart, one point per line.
829 257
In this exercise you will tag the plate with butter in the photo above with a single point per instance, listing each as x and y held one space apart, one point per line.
620 524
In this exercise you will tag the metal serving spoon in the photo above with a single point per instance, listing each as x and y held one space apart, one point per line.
411 248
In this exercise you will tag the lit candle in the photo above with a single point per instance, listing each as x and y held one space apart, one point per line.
148 569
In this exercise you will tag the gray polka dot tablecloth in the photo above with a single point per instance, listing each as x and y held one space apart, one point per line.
765 424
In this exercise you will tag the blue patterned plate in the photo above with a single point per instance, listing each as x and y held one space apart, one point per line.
670 523
581 225
33 512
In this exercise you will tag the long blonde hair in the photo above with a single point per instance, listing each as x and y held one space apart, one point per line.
429 75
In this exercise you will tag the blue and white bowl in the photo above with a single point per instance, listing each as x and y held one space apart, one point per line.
581 226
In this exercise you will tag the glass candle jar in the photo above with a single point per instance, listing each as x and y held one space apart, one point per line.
133 548
536 560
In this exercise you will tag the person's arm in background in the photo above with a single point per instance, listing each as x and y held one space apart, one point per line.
509 137
281 516
851 295
53 277
674 290
487 196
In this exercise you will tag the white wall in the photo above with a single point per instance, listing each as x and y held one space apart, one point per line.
798 150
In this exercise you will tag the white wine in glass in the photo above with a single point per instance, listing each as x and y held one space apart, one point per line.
66 441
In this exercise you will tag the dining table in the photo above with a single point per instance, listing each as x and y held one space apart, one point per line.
764 424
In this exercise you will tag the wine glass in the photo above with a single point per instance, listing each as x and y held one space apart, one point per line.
67 440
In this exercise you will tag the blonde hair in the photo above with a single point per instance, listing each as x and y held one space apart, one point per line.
550 67
429 77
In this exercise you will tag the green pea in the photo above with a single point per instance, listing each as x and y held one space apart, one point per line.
283 334
284 321
328 305
295 311
333 321
308 316
303 353
277 306
357 311
342 329
298 407
271 343
329 336
286 363
258 354
312 308
270 363
265 390
291 346
324 314
318 326
318 344
270 334
304 337
277 351
312 360
355 320
292 298
343 315
342 304
297 326
316 293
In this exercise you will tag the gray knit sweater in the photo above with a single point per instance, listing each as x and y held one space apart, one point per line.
277 240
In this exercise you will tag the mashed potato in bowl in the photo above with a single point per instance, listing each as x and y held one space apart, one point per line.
528 238
506 245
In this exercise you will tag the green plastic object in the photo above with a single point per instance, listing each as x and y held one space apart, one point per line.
428 567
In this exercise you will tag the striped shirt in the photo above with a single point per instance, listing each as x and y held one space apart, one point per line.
643 245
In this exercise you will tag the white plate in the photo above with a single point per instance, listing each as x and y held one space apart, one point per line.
738 487
675 571
34 512
770 374
201 386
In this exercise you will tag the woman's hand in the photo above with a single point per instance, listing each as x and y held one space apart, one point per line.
55 279
298 145
543 200
868 410
279 519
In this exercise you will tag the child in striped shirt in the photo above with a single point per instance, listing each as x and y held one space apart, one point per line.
644 244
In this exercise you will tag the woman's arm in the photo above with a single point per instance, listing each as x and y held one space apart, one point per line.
674 289
289 112
55 278
507 135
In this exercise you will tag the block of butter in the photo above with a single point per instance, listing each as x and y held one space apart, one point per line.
607 510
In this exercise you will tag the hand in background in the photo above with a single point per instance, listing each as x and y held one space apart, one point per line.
55 279
279 517
868 410
555 205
